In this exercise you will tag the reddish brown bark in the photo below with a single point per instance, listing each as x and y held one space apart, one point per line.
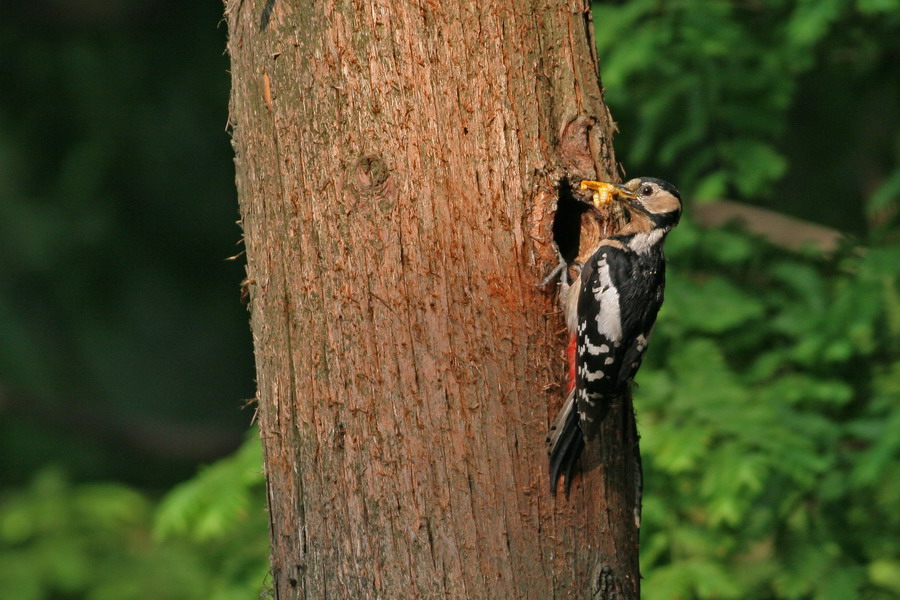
396 167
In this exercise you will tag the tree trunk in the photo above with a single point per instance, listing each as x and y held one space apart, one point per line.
397 168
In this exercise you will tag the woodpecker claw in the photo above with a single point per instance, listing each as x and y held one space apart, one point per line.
559 268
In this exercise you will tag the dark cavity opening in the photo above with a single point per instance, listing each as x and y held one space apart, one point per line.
567 221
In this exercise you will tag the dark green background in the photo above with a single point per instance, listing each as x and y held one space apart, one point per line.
125 350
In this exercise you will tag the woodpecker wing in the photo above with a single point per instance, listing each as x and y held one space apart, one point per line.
621 292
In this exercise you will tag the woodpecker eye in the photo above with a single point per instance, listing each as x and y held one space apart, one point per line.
646 190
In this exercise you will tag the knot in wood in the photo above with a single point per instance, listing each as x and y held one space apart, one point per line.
575 148
603 583
370 175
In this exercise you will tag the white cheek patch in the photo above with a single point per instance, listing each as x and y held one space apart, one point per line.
662 203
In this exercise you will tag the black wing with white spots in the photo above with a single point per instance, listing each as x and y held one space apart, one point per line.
619 299
620 294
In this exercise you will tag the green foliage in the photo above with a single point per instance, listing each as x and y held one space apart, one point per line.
769 422
768 404
207 506
704 90
95 541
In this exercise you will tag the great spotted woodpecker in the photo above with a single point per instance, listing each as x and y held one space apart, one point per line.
610 308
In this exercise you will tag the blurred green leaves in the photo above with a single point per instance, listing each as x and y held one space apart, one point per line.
207 506
95 541
85 541
707 94
770 424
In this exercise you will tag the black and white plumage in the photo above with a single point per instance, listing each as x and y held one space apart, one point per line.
610 308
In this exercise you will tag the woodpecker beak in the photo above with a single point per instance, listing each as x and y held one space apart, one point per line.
604 193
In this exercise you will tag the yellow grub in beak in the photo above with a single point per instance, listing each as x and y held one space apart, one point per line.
604 192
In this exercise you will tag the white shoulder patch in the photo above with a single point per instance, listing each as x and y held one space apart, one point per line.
642 242
609 318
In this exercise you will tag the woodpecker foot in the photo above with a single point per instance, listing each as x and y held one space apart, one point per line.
564 271
558 270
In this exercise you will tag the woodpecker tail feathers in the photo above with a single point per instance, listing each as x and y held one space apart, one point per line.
565 445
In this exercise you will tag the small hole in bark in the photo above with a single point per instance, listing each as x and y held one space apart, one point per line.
567 221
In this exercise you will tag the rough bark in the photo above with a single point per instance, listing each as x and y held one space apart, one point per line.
397 167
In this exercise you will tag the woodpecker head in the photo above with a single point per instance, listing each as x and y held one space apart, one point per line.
652 202
657 199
